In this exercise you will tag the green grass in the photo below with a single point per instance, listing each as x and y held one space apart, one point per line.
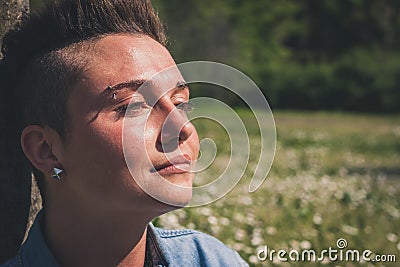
335 175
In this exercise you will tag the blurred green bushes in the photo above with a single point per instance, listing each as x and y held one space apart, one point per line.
360 80
303 54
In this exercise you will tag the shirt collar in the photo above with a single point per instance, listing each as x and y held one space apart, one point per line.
154 254
34 252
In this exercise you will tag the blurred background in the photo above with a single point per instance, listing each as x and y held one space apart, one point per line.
304 54
331 73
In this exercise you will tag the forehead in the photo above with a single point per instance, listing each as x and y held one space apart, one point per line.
118 57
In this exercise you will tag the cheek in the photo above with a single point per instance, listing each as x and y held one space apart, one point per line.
97 147
93 158
194 144
138 140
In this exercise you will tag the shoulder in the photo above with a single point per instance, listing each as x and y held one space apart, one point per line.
184 246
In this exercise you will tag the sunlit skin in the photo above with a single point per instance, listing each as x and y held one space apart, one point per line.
96 215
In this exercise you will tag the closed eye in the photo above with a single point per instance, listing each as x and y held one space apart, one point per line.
133 109
185 106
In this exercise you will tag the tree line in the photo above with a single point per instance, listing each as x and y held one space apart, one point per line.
303 54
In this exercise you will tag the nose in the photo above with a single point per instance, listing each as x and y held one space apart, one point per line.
175 129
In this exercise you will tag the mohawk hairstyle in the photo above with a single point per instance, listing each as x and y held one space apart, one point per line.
44 55
35 46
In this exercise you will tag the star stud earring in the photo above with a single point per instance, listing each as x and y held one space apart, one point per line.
56 173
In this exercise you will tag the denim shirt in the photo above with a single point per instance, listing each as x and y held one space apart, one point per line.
163 248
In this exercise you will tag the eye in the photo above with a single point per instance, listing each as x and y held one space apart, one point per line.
185 106
133 109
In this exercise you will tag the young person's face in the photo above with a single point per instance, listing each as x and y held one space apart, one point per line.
94 161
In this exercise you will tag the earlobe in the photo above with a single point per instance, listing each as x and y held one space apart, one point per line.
37 146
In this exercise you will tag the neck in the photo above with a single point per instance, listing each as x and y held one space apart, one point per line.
85 238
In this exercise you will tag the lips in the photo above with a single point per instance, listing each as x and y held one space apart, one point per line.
175 165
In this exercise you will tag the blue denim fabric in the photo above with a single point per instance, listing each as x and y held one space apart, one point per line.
174 248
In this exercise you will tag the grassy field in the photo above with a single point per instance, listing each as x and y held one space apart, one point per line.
335 175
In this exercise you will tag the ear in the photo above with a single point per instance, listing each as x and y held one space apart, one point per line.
37 143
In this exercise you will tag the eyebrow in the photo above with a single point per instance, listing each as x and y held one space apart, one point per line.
182 85
111 90
134 85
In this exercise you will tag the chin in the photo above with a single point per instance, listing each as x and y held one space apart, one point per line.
172 192
176 196
170 203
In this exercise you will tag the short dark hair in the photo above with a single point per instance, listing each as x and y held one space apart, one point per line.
42 55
